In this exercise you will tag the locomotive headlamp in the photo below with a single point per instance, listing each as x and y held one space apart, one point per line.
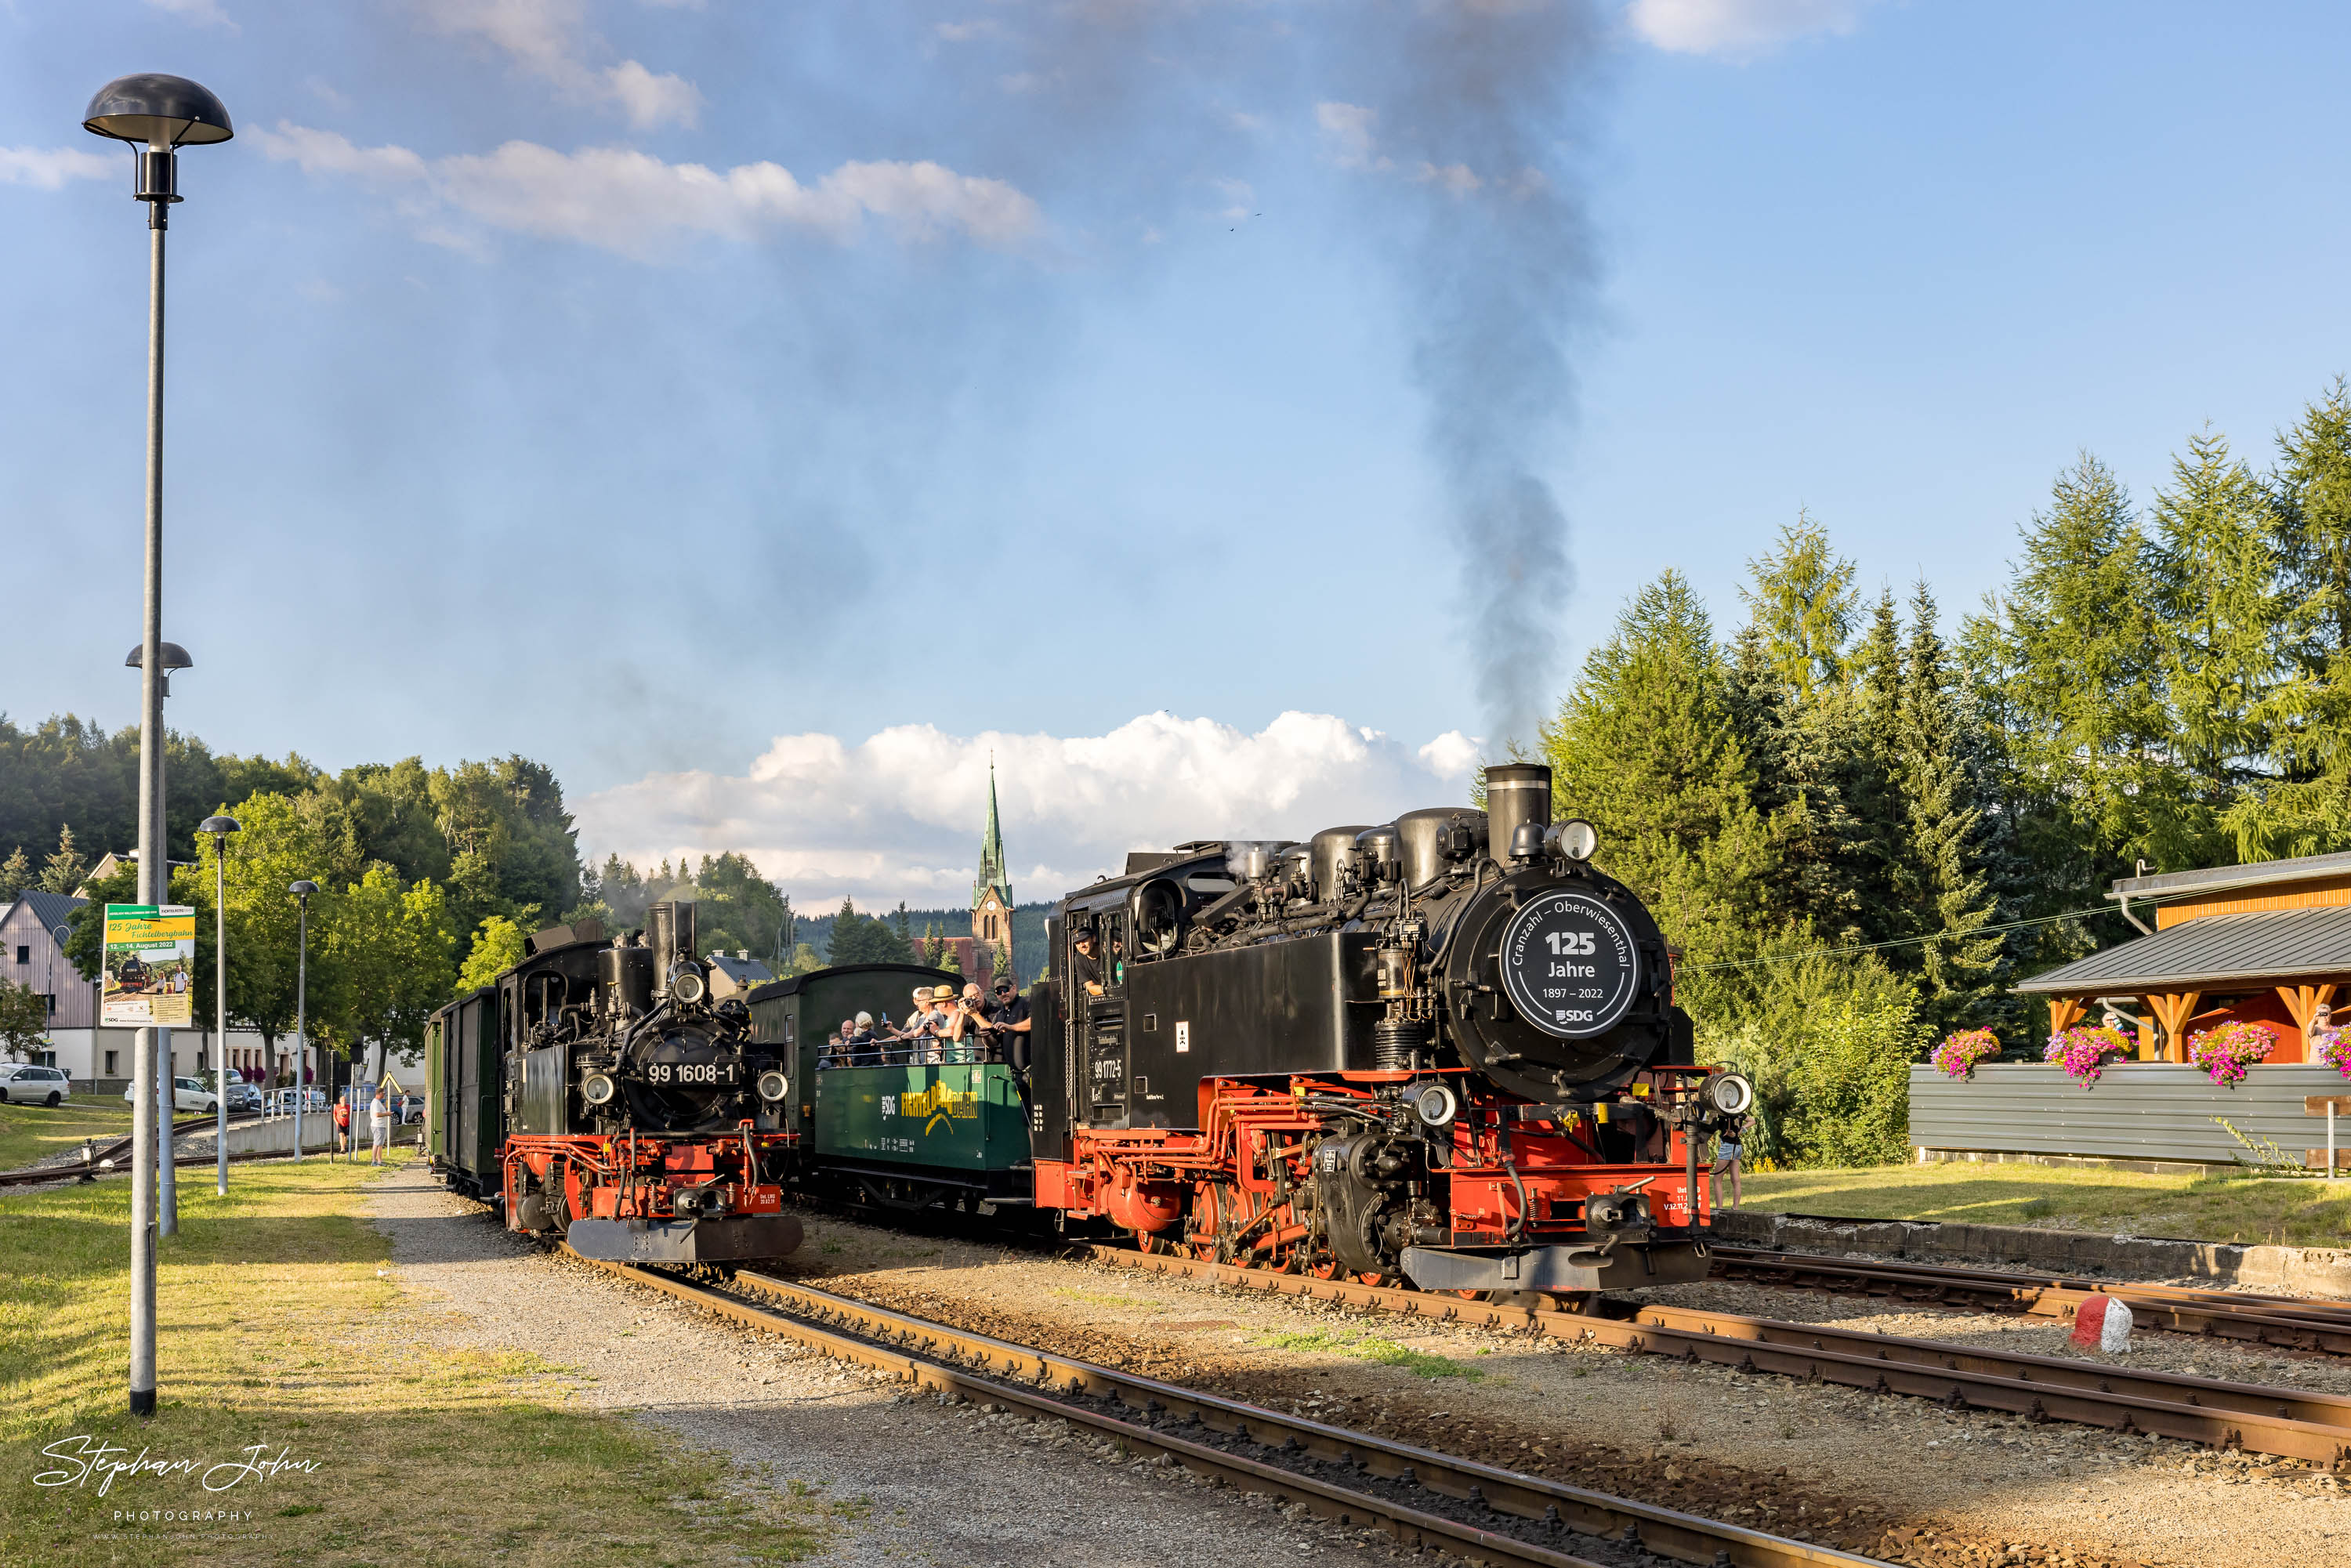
1435 1105
1729 1092
687 985
597 1088
773 1086
1575 839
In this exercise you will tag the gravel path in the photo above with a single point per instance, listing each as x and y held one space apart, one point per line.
909 1481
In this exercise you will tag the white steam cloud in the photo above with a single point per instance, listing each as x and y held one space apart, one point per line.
899 815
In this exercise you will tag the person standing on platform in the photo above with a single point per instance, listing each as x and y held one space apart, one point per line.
379 1126
1009 1027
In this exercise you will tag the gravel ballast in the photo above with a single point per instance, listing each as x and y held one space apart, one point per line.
903 1480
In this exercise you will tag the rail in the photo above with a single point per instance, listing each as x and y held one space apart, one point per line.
2281 1323
2290 1423
1333 1471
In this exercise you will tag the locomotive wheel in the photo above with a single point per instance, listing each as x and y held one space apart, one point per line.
1151 1242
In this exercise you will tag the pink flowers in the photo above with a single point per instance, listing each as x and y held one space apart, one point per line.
2225 1052
2084 1050
2333 1046
1957 1055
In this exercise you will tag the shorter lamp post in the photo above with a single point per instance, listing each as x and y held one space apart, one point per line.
169 656
220 828
301 890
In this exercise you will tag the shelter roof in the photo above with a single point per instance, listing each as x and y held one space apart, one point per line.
2260 948
2228 878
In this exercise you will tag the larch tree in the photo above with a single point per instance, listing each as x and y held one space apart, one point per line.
1644 749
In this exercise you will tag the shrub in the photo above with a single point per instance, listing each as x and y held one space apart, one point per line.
1829 1047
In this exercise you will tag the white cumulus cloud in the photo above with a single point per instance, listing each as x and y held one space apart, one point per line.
549 39
639 205
47 168
898 815
1738 29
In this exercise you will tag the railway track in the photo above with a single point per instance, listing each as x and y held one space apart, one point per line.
94 1164
2281 1323
2289 1422
1424 1499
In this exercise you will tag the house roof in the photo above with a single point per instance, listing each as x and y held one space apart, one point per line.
2263 946
2225 878
50 908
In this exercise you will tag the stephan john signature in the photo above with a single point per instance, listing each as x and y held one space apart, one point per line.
85 1457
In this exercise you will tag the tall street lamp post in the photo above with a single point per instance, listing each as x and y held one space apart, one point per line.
220 828
157 114
301 890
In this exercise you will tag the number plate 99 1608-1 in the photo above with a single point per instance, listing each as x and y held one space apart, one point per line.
693 1074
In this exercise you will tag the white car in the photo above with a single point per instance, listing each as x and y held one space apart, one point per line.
187 1094
28 1085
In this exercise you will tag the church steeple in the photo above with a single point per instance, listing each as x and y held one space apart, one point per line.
991 853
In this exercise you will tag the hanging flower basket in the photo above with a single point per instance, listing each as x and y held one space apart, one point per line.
1957 1055
2225 1052
2085 1049
2333 1046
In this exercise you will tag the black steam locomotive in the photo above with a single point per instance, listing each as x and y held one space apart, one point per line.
1443 1049
613 1093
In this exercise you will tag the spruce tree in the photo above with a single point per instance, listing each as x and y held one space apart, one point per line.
1645 747
1938 881
65 870
2219 594
2306 808
2074 650
17 874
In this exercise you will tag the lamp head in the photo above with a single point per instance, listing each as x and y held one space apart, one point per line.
159 111
174 658
302 890
220 827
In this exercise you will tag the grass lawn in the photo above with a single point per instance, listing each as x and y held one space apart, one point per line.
27 1132
2292 1211
268 1301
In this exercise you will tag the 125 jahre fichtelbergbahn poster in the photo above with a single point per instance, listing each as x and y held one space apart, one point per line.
150 962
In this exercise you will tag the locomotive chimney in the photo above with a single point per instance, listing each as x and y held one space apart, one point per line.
671 927
1516 793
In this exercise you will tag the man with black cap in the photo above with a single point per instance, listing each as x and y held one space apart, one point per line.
1008 1026
1085 969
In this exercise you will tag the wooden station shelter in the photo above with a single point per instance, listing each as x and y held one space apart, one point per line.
2269 942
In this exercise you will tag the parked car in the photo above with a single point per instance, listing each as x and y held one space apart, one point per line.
412 1107
281 1102
187 1094
243 1096
24 1084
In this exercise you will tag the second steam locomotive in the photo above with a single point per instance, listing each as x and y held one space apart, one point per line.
1442 1049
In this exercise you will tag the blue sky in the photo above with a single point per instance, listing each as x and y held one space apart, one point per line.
1079 368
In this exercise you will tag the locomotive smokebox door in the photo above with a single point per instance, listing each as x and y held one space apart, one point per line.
1569 965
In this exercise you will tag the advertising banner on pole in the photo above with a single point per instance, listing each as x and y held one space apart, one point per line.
151 967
